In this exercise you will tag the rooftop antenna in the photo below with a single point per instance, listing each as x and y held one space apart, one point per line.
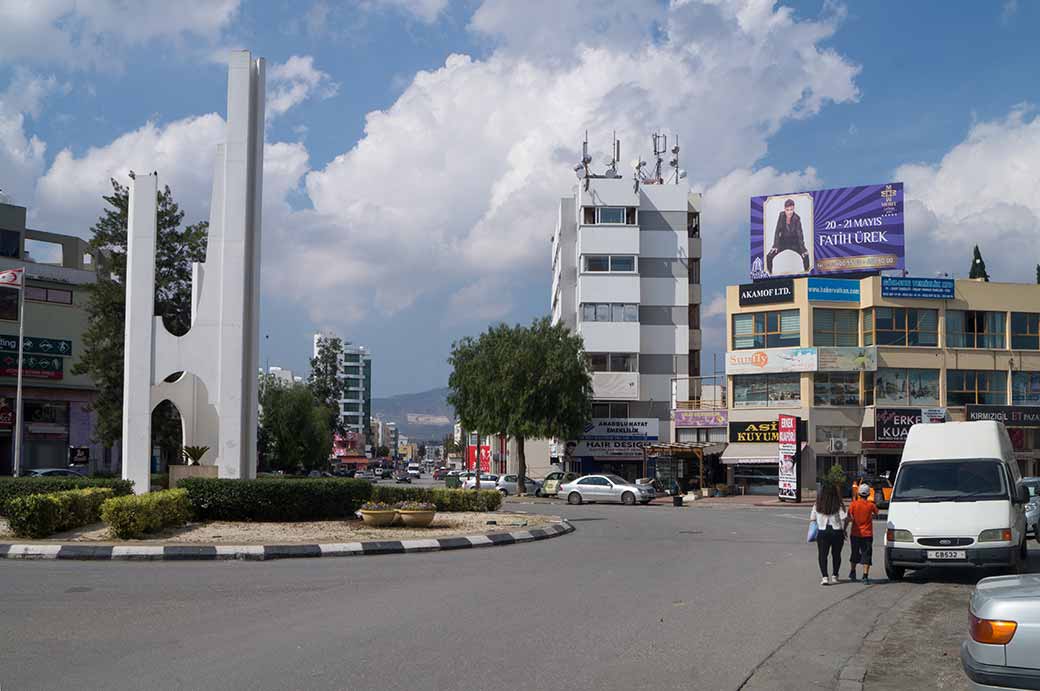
660 140
582 169
674 163
612 162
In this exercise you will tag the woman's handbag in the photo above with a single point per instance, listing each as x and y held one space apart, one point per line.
814 531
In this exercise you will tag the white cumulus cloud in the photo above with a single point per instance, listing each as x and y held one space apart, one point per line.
294 81
22 154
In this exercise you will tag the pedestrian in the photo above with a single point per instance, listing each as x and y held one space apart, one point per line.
862 513
829 514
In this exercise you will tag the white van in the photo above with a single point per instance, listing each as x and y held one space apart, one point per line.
958 500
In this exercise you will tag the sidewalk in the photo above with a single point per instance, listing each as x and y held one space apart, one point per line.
747 500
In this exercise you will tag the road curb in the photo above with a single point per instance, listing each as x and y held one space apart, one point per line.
80 551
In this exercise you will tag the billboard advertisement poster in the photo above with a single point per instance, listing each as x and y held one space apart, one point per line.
827 232
701 418
485 458
767 292
921 288
893 424
787 445
833 289
846 359
771 360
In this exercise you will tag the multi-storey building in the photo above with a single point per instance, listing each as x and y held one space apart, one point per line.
355 373
626 276
56 415
859 365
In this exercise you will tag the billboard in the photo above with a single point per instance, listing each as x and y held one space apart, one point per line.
828 232
846 359
617 437
1010 415
921 288
771 360
833 289
787 445
701 418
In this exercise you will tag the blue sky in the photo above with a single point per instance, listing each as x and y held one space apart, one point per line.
417 148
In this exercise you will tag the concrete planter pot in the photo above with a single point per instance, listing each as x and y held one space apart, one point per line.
378 519
183 472
417 519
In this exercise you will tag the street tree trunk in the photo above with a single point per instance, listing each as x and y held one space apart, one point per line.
521 466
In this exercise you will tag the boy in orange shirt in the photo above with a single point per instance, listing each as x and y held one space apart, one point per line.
862 513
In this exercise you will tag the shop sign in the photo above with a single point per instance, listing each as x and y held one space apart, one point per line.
33 366
767 292
893 424
920 288
833 289
846 359
787 445
1010 415
827 232
701 418
771 360
6 414
758 431
617 437
37 346
485 458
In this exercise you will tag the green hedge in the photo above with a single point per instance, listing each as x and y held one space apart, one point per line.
445 499
160 481
276 499
134 516
42 515
11 487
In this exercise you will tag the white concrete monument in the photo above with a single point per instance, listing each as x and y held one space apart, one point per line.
216 391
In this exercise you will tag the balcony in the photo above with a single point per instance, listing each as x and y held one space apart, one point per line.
615 386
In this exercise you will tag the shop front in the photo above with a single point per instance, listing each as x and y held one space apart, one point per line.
752 458
883 442
613 446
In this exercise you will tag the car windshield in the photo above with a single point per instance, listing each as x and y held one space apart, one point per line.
959 480
1033 486
617 480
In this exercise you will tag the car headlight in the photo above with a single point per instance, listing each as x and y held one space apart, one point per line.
995 535
894 535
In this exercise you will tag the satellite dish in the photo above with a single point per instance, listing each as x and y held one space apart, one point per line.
682 174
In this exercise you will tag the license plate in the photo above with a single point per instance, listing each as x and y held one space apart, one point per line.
947 554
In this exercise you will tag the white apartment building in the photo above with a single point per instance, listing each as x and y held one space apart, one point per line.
355 371
626 276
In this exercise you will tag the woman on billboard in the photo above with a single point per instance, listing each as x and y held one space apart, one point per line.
788 236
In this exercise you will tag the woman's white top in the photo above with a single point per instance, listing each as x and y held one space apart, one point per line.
834 520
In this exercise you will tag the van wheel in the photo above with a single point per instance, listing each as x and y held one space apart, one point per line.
574 498
894 573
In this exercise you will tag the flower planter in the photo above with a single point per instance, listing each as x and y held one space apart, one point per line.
378 519
417 519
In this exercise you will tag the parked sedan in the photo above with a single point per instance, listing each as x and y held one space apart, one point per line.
606 488
487 481
1000 652
1032 485
552 482
508 484
53 472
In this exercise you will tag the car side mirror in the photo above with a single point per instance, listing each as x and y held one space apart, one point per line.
1023 495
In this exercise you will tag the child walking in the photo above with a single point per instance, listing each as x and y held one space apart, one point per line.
829 514
862 513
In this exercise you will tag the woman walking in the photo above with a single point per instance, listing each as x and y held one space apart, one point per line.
829 514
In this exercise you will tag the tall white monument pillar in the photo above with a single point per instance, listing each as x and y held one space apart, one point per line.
216 390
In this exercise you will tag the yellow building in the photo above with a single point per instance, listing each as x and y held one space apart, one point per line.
860 360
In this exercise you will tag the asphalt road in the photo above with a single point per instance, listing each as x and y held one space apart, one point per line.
637 597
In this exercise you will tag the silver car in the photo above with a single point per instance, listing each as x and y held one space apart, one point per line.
1032 484
605 488
507 485
1005 634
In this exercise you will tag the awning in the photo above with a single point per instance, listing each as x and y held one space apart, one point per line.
751 454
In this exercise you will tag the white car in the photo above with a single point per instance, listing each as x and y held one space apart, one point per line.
487 481
507 485
606 488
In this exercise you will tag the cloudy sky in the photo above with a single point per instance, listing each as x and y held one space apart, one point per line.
416 149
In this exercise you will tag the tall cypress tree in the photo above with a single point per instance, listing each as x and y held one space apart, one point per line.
978 266
102 348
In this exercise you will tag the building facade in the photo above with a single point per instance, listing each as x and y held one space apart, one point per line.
626 277
355 373
57 423
861 360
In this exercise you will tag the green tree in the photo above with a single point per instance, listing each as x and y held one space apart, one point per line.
523 382
324 381
101 356
297 430
383 452
978 266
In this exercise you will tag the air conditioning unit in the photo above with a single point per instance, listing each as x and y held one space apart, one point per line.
838 445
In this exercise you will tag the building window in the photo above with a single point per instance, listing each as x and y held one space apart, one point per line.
609 312
611 214
588 215
766 390
352 370
9 244
613 362
765 330
694 312
835 327
900 326
836 388
9 304
608 215
1025 331
694 273
350 407
621 263
974 329
610 409
897 386
1025 388
693 224
983 387
824 433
